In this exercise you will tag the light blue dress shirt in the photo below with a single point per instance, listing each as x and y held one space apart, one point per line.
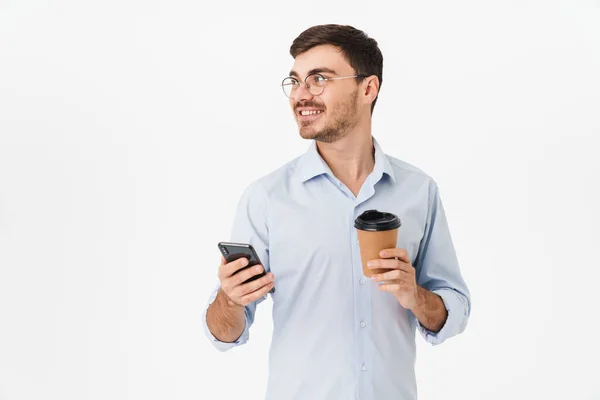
335 335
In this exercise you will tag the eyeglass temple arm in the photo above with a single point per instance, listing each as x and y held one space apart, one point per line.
345 77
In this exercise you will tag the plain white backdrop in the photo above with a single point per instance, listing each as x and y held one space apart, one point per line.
128 130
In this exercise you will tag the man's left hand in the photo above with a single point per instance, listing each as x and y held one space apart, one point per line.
400 280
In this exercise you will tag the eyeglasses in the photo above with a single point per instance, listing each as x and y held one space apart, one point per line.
315 83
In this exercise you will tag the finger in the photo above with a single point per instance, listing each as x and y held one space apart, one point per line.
396 274
401 254
227 270
250 287
257 294
389 264
394 287
246 274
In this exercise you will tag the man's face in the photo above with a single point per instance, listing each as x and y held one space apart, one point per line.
333 113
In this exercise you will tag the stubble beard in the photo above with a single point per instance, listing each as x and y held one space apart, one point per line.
341 120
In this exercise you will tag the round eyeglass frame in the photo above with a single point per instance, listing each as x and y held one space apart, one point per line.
310 88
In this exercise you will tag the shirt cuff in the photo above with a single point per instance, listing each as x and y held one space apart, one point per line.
219 345
456 321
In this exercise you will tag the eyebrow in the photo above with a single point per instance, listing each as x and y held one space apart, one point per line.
314 71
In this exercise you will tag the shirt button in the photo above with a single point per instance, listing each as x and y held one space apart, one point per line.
364 367
363 324
362 281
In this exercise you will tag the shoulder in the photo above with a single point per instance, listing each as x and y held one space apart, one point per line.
404 170
274 181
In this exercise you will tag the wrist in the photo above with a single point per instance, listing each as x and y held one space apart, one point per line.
420 299
226 300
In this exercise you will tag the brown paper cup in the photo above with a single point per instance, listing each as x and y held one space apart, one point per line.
371 243
376 231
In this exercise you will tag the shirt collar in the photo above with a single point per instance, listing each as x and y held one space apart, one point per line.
311 164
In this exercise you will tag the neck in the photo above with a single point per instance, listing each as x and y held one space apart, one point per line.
351 159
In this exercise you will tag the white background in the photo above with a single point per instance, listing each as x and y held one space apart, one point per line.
128 130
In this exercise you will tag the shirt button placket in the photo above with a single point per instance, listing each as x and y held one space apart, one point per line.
361 315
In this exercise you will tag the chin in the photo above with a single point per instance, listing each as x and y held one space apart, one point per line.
307 131
311 133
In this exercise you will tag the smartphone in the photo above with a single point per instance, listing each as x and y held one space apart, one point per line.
235 251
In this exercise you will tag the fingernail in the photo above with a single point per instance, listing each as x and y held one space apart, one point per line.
244 262
374 278
384 254
257 268
371 264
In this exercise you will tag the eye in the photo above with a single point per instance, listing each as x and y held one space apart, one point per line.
319 79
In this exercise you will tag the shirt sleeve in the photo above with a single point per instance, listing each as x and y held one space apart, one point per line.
249 226
438 271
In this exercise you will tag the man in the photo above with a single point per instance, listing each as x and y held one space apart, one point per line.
337 334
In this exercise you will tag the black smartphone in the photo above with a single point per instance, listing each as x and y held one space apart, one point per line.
235 251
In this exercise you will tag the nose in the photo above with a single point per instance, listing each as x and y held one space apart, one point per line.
301 93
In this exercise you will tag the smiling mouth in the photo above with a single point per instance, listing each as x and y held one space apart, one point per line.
305 113
309 115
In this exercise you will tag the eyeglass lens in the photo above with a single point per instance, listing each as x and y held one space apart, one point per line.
315 82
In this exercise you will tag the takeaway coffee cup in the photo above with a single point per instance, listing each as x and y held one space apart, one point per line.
376 231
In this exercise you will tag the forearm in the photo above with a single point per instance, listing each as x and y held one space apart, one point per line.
225 320
430 310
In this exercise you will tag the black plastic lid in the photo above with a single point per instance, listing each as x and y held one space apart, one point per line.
375 221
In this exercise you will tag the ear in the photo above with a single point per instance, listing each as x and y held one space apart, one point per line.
371 89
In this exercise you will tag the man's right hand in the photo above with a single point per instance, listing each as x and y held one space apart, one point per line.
238 293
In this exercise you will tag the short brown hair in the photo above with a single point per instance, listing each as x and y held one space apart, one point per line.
361 51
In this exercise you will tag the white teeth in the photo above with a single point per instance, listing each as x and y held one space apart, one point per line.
311 112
